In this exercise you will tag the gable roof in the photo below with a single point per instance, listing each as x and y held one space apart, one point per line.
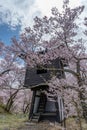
40 75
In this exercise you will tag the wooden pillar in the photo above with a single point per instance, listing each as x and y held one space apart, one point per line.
57 109
36 101
32 105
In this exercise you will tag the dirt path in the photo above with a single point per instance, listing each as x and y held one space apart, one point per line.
40 126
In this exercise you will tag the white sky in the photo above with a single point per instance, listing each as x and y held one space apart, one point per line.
14 12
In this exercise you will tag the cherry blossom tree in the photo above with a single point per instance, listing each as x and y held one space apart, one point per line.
57 37
11 75
12 82
2 54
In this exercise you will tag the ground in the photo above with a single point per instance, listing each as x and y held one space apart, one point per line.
41 126
20 122
71 125
11 121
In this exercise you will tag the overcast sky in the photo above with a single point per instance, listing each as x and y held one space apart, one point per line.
18 14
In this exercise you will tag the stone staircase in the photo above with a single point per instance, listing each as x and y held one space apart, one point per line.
35 118
42 104
41 109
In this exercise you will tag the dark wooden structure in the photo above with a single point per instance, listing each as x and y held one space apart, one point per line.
42 108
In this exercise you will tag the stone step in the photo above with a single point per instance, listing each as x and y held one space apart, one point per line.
35 117
47 114
34 120
41 107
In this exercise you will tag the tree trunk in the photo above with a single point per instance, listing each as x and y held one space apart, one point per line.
11 101
81 92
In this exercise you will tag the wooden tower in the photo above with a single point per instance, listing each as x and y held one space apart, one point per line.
41 107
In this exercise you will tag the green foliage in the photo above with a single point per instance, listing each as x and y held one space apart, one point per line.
2 108
15 121
73 124
12 121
